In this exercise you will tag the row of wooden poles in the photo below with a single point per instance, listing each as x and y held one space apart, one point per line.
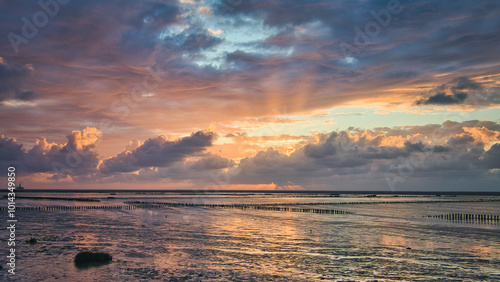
267 207
468 217
164 204
271 207
288 209
58 199
133 207
138 204
72 208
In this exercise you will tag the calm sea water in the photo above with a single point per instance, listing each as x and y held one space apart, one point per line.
384 242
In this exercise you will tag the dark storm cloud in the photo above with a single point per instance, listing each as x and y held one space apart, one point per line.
158 152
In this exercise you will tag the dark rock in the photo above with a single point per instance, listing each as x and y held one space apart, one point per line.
31 241
84 259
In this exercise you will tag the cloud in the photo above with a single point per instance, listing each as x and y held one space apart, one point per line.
327 148
461 90
463 83
444 99
10 151
342 154
76 158
156 15
85 140
347 114
199 41
158 152
347 158
460 140
13 82
288 57
211 162
207 12
269 55
492 157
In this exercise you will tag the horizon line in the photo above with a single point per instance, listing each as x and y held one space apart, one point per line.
333 192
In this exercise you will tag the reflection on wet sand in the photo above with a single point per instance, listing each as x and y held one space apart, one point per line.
394 242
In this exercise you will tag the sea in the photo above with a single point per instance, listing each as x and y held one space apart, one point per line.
245 236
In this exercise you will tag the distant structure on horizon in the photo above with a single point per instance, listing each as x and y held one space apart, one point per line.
19 187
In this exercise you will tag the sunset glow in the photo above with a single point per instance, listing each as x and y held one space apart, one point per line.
314 95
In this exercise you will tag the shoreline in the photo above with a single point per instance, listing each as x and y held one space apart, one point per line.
250 192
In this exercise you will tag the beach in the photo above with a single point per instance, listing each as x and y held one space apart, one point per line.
256 237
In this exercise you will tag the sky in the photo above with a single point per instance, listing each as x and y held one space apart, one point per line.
250 94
